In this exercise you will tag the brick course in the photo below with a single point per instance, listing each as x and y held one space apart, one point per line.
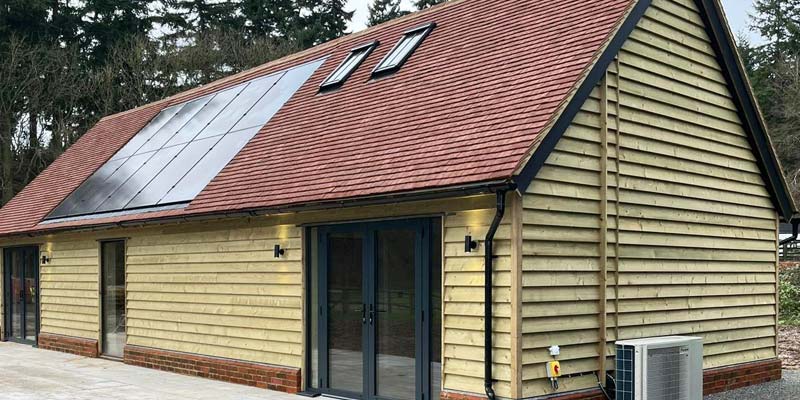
738 376
68 344
714 381
264 376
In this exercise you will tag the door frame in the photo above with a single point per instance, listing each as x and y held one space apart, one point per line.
7 315
422 303
102 294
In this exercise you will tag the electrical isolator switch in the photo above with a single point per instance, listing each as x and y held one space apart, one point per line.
553 369
554 372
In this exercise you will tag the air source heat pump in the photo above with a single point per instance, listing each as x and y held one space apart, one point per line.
661 368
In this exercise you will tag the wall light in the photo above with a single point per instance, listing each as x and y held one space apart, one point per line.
469 244
45 259
279 251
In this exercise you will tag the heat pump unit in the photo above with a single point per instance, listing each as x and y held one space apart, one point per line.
661 368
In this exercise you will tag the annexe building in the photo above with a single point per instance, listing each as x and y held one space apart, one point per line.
325 222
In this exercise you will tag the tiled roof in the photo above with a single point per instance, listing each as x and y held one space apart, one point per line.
466 108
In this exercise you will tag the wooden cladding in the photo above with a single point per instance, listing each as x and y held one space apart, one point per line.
650 217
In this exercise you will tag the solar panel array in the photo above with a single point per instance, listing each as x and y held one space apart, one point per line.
184 147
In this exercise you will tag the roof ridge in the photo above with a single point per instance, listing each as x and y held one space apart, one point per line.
291 57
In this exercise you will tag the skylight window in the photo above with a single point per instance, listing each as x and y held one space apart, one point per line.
348 66
403 50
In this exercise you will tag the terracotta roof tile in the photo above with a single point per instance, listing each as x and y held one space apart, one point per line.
466 108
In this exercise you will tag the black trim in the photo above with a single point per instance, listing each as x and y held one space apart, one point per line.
328 84
384 71
532 167
29 254
727 56
734 74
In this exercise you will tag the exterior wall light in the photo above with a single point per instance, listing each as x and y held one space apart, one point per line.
279 251
469 244
45 259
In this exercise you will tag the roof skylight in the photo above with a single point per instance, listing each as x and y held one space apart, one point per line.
348 66
403 50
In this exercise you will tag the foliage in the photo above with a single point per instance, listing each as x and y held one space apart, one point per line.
790 296
381 11
423 4
65 64
775 75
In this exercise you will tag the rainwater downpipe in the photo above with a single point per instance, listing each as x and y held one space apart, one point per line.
488 269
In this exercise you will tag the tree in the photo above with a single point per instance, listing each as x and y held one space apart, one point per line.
423 4
384 10
325 20
272 18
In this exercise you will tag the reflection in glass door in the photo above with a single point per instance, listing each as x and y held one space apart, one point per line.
21 287
113 294
372 333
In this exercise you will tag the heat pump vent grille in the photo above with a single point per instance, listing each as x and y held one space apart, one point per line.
668 373
626 358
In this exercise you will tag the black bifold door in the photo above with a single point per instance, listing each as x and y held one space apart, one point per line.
376 310
21 291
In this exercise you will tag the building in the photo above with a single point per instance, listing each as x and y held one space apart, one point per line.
324 222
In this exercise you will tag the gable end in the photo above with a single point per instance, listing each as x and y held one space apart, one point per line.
747 109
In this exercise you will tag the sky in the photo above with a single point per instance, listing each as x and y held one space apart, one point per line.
737 11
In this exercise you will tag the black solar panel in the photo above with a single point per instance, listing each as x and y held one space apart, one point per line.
184 147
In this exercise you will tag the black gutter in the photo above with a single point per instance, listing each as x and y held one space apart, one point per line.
487 302
795 223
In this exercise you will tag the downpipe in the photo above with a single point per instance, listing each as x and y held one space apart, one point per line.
488 286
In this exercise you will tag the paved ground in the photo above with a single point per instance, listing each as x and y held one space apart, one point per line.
786 389
33 374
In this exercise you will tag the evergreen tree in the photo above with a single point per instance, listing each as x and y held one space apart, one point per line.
323 20
423 4
384 10
189 17
272 18
107 24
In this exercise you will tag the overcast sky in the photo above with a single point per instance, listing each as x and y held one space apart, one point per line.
737 11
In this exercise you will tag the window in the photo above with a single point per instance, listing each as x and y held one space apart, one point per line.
348 66
403 50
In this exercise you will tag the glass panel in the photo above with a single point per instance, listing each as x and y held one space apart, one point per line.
239 106
139 180
395 335
173 172
209 166
204 117
148 131
345 312
436 309
31 298
269 105
113 276
93 199
313 241
352 61
73 202
172 127
17 294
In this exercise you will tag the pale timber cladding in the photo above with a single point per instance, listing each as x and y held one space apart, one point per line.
215 288
657 166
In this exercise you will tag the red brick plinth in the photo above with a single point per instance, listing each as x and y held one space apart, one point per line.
282 379
714 381
738 376
68 344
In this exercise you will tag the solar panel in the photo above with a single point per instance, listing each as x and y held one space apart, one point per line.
174 157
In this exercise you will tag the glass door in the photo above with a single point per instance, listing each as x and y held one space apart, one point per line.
372 289
113 297
21 289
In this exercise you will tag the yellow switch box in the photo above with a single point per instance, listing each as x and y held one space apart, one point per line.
553 369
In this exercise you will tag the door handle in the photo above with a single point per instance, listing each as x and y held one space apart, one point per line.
371 314
363 314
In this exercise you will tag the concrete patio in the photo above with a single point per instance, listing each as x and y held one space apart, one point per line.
33 374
